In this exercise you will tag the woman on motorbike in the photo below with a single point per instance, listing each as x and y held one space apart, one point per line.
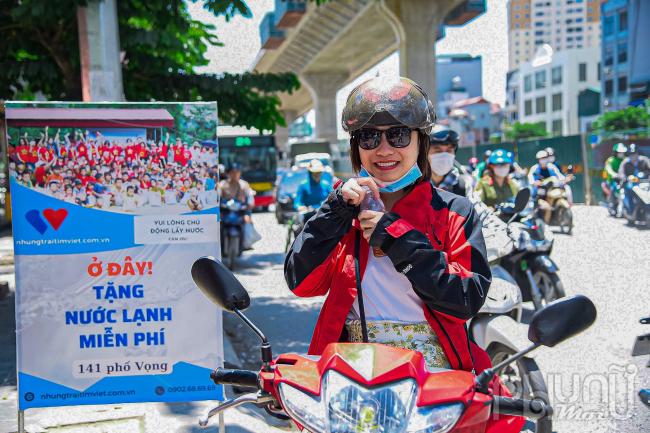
426 273
497 187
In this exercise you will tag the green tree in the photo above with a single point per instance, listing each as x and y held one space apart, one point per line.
629 118
520 131
162 46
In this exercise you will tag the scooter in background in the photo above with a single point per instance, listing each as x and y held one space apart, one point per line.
554 191
497 328
232 228
637 204
519 249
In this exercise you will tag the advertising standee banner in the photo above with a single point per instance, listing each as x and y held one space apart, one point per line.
112 203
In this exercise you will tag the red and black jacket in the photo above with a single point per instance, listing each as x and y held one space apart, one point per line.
433 237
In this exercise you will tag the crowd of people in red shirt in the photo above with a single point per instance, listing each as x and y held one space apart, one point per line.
93 171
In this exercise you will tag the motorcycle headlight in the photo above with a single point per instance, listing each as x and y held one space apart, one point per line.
348 407
435 419
353 408
305 408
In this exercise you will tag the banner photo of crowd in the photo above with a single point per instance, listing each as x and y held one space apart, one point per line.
128 158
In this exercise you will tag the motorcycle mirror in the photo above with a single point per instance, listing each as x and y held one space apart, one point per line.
521 200
219 284
561 320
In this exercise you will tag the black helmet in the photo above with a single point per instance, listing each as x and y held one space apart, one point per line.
385 101
632 149
443 135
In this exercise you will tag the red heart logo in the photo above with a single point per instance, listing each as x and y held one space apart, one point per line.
55 217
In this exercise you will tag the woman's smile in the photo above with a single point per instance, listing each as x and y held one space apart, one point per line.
386 165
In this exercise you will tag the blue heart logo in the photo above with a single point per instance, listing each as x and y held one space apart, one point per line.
34 218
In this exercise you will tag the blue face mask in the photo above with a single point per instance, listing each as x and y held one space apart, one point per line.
409 178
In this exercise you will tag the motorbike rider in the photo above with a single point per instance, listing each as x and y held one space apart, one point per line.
442 154
314 190
497 187
612 165
544 169
632 165
234 187
427 271
551 159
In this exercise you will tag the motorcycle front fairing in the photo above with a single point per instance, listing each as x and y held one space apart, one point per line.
355 387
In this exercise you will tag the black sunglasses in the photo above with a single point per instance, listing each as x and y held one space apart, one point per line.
368 139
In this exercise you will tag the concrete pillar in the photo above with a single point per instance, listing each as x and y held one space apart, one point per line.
282 137
323 87
416 24
99 47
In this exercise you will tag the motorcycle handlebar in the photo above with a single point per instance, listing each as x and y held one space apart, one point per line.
533 409
241 378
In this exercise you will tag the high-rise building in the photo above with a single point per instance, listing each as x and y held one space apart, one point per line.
547 88
625 73
562 24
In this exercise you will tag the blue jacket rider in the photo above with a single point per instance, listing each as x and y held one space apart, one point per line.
312 192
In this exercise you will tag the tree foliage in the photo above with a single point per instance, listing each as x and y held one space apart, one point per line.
161 44
629 118
520 131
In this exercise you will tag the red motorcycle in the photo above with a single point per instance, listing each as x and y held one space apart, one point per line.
373 388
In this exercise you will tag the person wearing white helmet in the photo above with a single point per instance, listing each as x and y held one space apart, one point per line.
637 165
314 190
612 165
545 169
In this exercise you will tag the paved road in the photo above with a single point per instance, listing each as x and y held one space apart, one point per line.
588 376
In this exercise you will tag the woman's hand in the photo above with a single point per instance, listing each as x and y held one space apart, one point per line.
352 190
369 220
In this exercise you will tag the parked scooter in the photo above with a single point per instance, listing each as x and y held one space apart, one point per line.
232 226
363 388
525 255
637 207
642 347
497 328
553 190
